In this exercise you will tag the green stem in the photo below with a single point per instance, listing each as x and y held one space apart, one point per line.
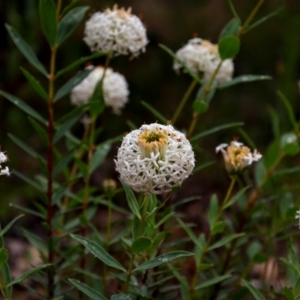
203 98
183 101
3 286
108 232
250 17
209 238
140 232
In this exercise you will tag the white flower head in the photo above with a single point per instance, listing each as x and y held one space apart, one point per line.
116 30
115 89
155 158
202 57
237 156
3 159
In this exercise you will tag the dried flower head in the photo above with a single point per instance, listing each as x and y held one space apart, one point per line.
109 187
116 30
3 159
202 57
155 158
237 157
115 89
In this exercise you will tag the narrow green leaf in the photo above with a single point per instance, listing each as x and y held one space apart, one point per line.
215 129
243 79
213 281
23 106
236 197
132 202
91 293
253 290
9 225
3 257
164 258
79 62
69 6
157 114
22 145
231 28
63 128
141 244
26 210
99 156
47 11
28 180
190 233
229 47
200 106
225 240
213 211
288 293
265 18
75 80
63 162
98 252
69 22
122 297
233 10
7 279
41 132
28 273
289 109
35 84
275 121
218 227
25 49
188 70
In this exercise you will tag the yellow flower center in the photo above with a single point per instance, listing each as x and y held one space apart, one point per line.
236 155
154 141
211 47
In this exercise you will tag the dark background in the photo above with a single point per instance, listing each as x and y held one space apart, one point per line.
270 49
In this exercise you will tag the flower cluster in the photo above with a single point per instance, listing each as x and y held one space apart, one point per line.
155 158
115 89
203 57
116 31
3 159
237 157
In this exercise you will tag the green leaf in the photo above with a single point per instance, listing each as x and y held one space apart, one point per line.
231 28
41 132
229 47
243 79
63 162
79 62
164 258
141 244
132 202
203 166
254 291
91 293
214 130
122 297
288 293
233 10
22 145
191 234
289 109
23 106
26 210
25 49
69 85
225 240
97 102
98 252
157 114
200 106
29 181
47 10
7 279
218 228
69 22
29 273
236 197
289 143
35 84
9 225
188 70
99 156
3 257
213 211
212 281
265 18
